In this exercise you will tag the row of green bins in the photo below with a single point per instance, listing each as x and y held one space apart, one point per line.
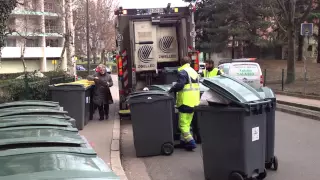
151 116
194 125
233 133
39 142
271 159
35 114
52 163
75 98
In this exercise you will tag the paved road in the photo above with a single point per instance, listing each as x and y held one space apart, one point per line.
297 147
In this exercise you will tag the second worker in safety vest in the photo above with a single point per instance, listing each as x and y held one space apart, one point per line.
210 70
188 96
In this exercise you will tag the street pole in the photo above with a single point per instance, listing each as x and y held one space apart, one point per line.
88 36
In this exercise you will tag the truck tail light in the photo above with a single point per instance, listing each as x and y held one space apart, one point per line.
261 80
120 66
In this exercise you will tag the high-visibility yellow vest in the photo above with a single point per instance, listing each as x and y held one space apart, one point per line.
212 73
190 94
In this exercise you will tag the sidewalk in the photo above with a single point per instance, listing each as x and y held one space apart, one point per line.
102 137
308 108
303 101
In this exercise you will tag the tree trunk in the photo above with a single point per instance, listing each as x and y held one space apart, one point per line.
69 34
103 57
241 50
23 49
94 54
232 48
291 55
318 48
300 47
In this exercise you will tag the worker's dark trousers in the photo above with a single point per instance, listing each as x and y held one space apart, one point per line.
103 110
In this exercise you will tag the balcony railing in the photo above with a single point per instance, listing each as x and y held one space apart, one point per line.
53 29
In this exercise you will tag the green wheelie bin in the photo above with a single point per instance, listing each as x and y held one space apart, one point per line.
233 130
39 136
53 163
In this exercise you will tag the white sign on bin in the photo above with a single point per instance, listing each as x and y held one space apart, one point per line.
255 134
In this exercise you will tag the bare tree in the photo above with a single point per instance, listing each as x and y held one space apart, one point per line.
288 15
101 27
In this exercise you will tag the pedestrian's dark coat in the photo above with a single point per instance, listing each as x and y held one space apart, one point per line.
101 93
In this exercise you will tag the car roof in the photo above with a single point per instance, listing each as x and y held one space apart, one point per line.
242 60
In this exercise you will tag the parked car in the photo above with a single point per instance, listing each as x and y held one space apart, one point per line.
245 69
80 68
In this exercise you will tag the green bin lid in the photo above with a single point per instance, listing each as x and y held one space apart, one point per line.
5 123
56 163
19 108
34 137
36 117
232 89
28 103
33 112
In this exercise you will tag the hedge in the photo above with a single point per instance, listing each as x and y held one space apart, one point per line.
30 88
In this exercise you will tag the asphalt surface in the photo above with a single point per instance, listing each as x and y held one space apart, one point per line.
297 148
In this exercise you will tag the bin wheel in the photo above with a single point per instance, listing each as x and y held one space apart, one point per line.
236 176
167 149
275 163
262 175
268 165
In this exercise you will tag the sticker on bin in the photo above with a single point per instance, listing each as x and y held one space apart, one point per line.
87 100
61 108
255 134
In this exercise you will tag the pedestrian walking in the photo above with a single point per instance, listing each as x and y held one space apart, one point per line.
102 96
188 96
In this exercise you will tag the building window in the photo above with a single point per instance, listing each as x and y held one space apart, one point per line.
32 43
52 43
10 43
51 26
48 6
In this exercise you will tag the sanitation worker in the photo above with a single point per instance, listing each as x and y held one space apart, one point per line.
188 96
210 70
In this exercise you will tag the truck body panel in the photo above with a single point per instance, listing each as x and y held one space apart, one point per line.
151 40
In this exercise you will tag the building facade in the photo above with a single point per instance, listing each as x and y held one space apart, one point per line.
38 28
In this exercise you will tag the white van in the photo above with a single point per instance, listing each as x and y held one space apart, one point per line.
246 70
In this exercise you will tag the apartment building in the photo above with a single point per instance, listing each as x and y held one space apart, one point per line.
39 26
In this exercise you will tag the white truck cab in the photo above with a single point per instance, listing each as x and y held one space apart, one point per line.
245 69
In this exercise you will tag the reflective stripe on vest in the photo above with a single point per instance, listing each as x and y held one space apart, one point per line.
190 95
212 73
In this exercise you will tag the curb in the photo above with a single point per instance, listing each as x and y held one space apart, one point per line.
115 156
298 111
297 95
303 106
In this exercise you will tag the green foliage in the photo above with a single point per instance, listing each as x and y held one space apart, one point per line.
29 88
219 20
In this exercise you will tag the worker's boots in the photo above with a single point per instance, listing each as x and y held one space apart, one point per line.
191 145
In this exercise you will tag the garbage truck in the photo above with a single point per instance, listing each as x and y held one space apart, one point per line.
149 41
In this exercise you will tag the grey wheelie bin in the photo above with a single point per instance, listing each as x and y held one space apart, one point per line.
74 98
271 159
151 116
233 131
169 75
53 163
194 125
